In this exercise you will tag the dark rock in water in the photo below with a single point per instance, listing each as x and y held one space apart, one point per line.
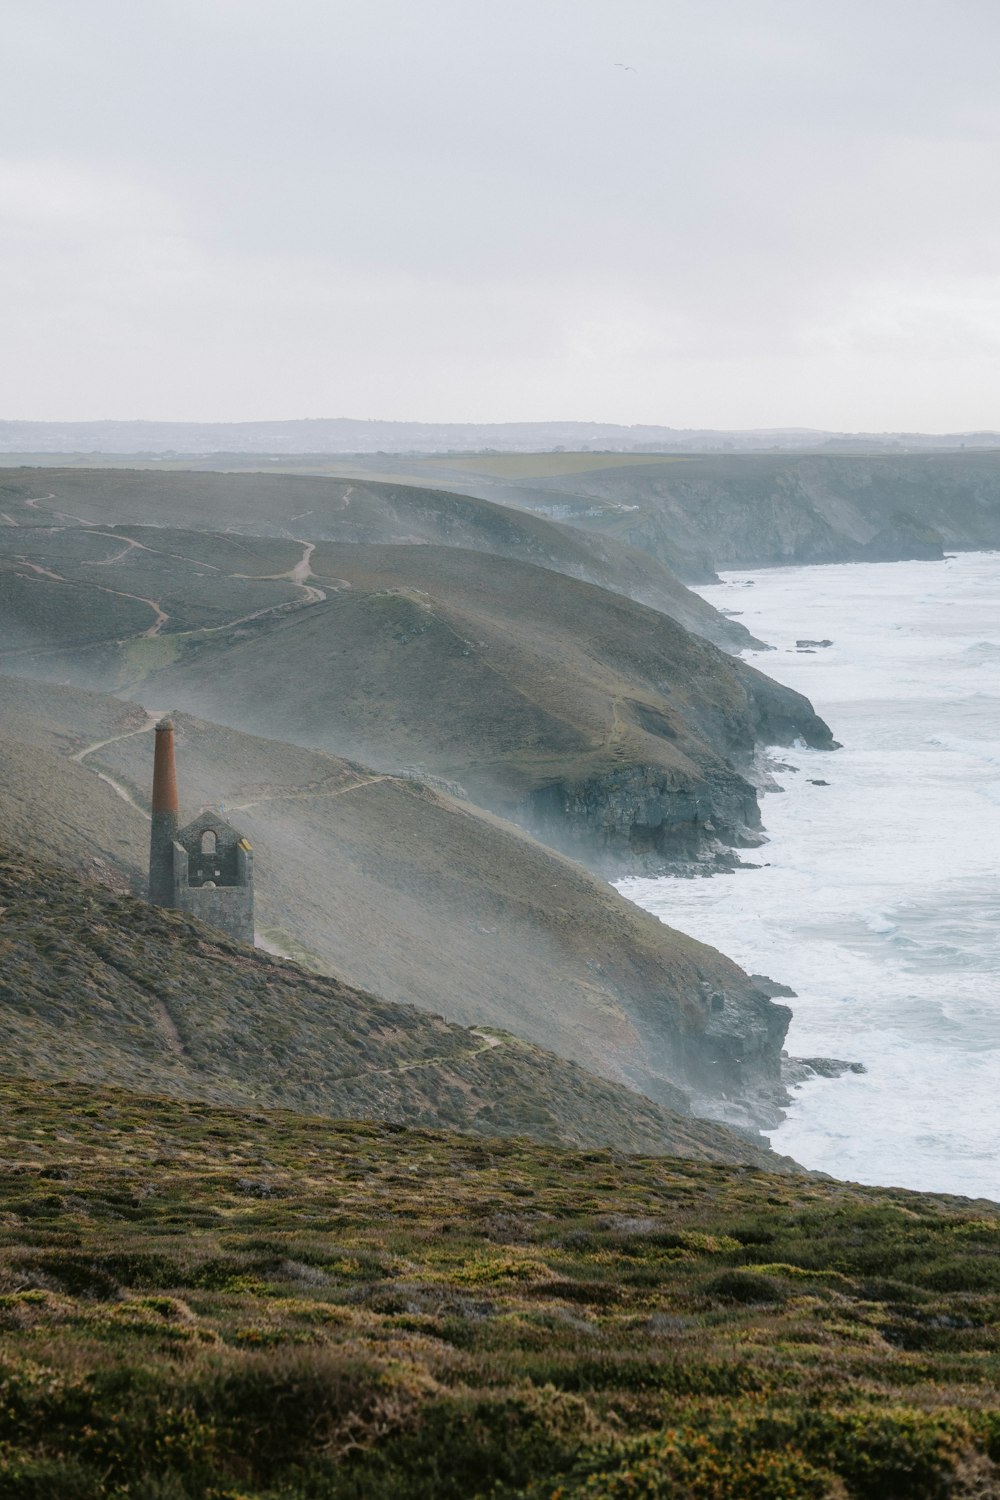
813 782
795 1070
771 988
804 644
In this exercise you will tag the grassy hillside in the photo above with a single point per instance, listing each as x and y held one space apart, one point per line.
600 723
99 987
401 890
200 1304
357 510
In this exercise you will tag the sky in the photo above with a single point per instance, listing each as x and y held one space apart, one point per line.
709 213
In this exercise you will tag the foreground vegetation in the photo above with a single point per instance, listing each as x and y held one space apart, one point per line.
198 1302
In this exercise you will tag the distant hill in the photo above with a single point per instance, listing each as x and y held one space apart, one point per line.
349 435
401 890
98 987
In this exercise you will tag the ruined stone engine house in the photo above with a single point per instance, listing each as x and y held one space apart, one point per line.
206 867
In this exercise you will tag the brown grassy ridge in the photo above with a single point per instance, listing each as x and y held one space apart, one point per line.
206 1304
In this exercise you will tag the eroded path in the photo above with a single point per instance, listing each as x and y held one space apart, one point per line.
293 794
149 723
36 568
297 575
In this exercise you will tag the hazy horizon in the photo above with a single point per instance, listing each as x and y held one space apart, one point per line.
736 217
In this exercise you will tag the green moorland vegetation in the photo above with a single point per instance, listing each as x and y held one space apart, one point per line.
206 1304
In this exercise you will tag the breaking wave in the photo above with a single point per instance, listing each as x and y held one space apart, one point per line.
878 896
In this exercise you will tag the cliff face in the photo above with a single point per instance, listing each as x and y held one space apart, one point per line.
600 724
754 510
638 817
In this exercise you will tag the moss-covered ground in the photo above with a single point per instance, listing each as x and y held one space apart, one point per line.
198 1302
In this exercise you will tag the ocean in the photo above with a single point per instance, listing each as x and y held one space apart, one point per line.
878 894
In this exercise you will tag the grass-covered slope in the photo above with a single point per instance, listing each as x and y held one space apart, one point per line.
358 510
98 986
200 1304
401 890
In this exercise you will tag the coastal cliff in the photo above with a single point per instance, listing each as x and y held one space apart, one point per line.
703 512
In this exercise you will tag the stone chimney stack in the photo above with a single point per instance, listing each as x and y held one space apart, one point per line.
165 817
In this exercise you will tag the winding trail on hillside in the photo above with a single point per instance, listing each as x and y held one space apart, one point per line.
449 1059
301 794
131 545
38 500
116 786
297 575
151 721
161 616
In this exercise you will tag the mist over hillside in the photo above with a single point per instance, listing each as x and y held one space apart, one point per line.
400 890
599 723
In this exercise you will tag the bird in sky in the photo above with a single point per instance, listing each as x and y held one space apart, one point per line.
626 67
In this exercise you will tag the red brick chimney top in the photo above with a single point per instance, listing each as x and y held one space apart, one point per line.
164 769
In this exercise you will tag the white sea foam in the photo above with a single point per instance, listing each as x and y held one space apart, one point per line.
878 899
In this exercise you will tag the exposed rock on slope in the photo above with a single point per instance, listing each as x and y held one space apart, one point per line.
100 987
360 510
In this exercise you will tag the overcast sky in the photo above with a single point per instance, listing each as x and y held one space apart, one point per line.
780 212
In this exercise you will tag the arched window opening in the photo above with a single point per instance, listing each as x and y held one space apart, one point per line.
208 842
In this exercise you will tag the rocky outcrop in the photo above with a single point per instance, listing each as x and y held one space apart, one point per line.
796 1070
638 819
742 1082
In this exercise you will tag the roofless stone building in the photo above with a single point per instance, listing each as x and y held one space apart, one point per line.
206 867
